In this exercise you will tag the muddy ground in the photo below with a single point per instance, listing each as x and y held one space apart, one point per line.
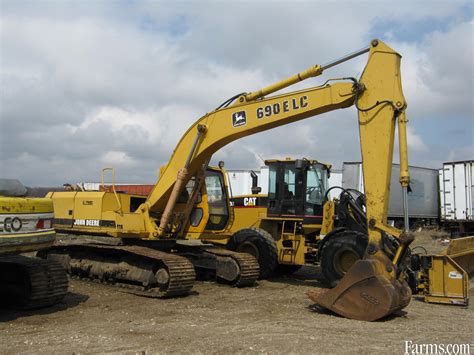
274 317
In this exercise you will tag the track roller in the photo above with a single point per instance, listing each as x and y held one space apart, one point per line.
140 270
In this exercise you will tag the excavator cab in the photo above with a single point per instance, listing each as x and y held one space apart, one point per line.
217 200
210 210
297 189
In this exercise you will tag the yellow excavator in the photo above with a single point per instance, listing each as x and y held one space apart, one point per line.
189 200
26 227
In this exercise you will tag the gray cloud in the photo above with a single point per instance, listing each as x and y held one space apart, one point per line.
83 87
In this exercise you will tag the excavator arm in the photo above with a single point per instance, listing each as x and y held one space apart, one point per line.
375 287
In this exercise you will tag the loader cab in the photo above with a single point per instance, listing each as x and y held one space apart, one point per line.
296 188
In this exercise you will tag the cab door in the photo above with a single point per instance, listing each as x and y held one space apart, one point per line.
217 200
286 190
316 185
211 209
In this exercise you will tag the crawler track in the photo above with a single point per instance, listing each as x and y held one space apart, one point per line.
136 269
249 269
248 265
32 282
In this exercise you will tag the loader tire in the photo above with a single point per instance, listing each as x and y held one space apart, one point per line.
258 243
339 253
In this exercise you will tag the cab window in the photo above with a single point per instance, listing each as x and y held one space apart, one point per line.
292 184
272 184
217 201
187 191
316 185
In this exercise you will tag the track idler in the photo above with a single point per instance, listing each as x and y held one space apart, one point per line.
367 292
238 269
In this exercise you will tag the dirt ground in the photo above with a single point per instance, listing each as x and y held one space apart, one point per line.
273 317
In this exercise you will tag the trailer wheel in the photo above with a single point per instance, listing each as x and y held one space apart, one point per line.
340 252
258 243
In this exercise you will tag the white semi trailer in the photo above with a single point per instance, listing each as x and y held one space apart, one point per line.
456 196
423 199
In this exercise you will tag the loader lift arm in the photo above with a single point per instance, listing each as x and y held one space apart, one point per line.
374 287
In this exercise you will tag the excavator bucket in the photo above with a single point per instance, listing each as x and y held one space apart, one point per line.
366 293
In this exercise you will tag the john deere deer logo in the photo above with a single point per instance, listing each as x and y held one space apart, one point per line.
239 118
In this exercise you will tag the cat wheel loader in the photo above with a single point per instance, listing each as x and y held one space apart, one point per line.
26 227
153 236
296 224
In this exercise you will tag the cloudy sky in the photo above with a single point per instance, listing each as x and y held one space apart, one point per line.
90 84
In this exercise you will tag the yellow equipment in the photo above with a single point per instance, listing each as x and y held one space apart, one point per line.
25 227
444 278
185 204
296 224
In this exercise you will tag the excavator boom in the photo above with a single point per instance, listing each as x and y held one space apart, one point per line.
229 124
252 113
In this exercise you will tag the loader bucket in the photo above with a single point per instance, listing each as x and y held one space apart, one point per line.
365 293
